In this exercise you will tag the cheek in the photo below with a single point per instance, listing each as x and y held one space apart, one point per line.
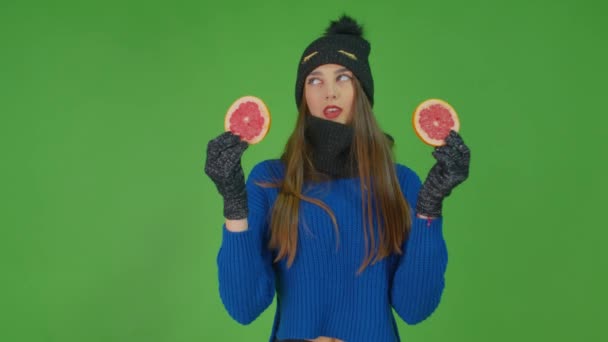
350 91
312 99
349 96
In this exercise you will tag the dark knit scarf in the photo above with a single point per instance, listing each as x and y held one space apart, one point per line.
331 147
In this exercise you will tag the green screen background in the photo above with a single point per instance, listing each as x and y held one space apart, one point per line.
110 229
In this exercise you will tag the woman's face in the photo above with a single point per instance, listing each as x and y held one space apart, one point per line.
330 92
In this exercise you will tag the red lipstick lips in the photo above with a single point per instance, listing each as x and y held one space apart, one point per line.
332 112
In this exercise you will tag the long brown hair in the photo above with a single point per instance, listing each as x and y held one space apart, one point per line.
381 194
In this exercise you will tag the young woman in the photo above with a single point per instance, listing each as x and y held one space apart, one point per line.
335 228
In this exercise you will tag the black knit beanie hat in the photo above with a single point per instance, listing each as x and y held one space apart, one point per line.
343 44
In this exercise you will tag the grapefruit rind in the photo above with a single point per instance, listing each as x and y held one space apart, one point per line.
263 110
420 132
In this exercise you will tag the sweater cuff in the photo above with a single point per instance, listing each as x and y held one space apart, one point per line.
425 229
240 246
428 222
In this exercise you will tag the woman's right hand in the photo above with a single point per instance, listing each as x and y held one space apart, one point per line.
223 166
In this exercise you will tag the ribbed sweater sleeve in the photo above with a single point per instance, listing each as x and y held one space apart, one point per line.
246 277
419 279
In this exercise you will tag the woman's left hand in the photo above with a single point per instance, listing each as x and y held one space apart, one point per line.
451 169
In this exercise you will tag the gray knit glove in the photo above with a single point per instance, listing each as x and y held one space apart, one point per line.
451 169
223 166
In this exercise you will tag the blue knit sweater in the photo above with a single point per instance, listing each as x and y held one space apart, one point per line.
321 294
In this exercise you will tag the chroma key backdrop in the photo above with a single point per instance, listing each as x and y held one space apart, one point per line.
110 229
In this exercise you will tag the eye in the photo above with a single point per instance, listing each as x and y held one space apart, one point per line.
344 77
313 81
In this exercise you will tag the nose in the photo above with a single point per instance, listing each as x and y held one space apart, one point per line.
332 92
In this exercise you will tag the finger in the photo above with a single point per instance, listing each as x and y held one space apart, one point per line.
454 139
240 147
466 159
231 156
457 162
460 153
212 150
440 150
464 149
228 139
441 154
222 142
450 158
453 152
438 168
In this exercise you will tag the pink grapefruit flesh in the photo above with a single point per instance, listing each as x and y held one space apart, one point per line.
433 119
249 118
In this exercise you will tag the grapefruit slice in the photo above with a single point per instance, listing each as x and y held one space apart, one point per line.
433 119
249 118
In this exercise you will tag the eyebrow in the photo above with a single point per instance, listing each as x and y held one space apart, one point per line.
314 73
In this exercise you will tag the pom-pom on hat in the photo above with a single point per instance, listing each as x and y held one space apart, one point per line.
343 44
